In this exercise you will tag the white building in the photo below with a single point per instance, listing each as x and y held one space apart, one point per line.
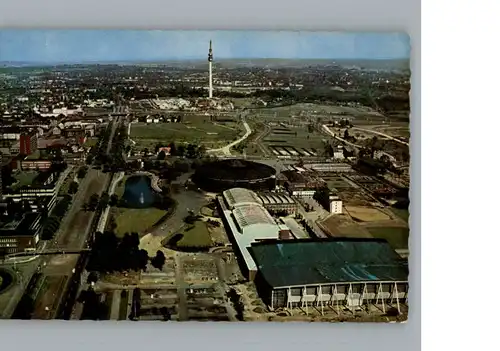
335 204
247 222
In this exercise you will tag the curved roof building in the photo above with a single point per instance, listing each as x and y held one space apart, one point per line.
247 221
221 175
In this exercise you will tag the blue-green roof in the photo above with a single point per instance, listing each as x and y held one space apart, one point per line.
308 262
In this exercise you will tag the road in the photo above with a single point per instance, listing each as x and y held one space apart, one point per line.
381 134
329 131
104 218
181 289
72 234
226 150
261 136
311 218
116 123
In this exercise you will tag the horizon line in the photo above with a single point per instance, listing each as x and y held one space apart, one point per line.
203 59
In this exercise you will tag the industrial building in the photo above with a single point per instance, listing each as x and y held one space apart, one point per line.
246 221
330 273
278 202
335 204
300 182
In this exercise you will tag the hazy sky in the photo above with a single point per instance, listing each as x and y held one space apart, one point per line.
125 45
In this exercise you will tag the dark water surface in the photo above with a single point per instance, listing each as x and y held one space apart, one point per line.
138 192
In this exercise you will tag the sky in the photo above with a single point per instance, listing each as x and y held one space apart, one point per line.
78 46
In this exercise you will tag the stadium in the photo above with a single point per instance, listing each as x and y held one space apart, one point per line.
221 175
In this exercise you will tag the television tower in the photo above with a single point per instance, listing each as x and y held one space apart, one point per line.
210 59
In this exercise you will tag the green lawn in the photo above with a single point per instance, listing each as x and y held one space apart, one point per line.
198 132
137 220
196 235
303 139
396 236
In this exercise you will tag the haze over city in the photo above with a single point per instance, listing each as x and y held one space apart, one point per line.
84 46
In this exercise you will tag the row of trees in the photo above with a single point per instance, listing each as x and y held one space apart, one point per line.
191 151
51 224
112 254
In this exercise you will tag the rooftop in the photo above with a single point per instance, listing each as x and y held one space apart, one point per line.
26 226
240 196
311 262
274 198
250 214
24 178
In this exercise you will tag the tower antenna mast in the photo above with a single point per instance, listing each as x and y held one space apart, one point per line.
210 59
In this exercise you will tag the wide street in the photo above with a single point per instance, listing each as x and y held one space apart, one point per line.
73 234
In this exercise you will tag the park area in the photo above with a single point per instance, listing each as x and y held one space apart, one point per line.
133 220
193 129
198 235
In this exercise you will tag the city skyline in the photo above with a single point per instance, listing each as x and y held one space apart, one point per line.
83 46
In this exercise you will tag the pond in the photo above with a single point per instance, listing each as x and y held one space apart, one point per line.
138 192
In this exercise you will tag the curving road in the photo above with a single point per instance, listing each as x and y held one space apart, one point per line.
226 150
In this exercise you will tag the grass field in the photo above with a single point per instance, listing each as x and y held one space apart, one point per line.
396 236
136 220
196 235
403 214
297 137
312 109
203 131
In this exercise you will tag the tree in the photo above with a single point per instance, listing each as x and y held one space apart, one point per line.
161 156
92 278
165 313
93 202
82 172
113 200
104 201
73 187
159 260
112 223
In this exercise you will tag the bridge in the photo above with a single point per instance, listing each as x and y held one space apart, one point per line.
49 252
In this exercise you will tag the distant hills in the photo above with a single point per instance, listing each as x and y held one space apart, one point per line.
231 63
